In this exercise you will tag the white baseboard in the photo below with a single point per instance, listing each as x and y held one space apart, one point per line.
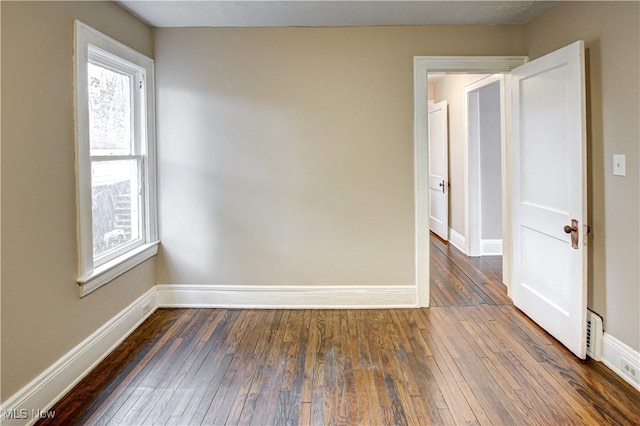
615 354
286 297
44 391
457 240
491 247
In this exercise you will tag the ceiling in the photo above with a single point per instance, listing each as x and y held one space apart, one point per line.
337 13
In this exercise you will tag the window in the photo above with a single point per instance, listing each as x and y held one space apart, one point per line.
115 157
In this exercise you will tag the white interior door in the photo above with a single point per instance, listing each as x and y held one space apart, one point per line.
439 170
549 192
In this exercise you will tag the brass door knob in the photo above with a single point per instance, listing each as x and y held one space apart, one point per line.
573 230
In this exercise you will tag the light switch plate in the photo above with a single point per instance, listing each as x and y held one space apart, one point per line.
618 165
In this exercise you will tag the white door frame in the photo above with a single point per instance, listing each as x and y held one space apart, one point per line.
422 65
472 171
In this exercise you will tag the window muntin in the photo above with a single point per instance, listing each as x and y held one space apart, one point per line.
115 156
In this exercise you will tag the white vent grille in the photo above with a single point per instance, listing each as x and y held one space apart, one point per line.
594 335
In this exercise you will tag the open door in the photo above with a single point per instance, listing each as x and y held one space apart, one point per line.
439 170
549 194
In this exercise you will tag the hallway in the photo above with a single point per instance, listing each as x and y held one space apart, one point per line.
458 280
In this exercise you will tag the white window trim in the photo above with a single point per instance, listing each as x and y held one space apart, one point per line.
92 277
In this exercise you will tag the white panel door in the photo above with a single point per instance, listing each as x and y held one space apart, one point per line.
438 170
549 192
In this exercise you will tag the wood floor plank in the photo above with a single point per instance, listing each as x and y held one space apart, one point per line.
94 390
183 389
164 386
349 393
261 374
472 358
244 365
209 360
273 365
114 401
484 272
210 374
318 368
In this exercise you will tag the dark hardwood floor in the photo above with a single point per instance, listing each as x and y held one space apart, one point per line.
458 280
471 358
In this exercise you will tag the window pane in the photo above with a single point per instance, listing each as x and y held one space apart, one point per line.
110 110
115 204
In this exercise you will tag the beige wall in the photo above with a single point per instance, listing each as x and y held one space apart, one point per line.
43 316
450 88
286 154
611 34
431 90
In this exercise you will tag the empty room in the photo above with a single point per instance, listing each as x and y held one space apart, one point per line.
283 212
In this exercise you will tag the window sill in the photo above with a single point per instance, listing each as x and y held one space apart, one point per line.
116 267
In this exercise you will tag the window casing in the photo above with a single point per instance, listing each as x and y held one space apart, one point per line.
115 157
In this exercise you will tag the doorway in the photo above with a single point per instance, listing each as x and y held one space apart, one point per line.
423 66
475 163
469 165
548 172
